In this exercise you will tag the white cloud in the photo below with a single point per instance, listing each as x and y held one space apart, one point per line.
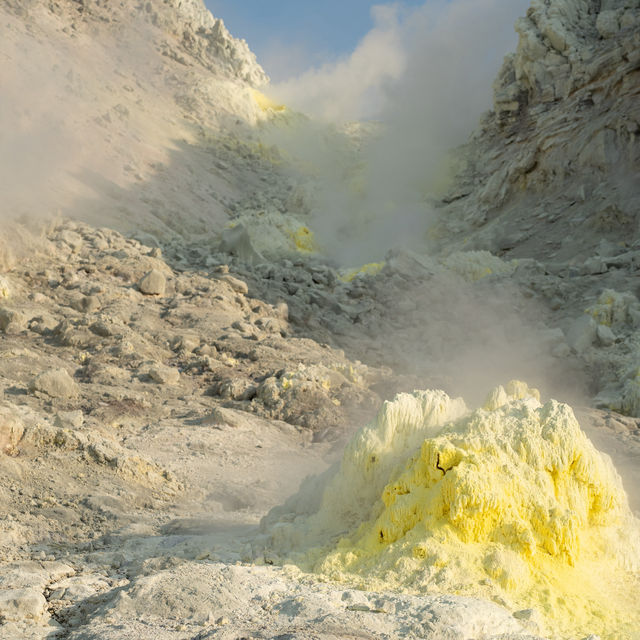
353 87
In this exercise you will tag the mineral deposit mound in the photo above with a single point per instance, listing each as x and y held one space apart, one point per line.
510 502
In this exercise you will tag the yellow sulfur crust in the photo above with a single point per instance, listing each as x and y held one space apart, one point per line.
265 103
369 269
510 502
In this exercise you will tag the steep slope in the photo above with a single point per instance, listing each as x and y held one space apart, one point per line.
134 115
553 170
553 176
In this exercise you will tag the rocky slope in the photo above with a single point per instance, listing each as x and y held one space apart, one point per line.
553 175
135 115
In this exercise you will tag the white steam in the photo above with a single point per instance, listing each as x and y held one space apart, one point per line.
426 76
354 87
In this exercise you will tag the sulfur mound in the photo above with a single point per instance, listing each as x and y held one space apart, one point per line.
510 502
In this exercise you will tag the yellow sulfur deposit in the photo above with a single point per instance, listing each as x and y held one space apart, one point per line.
613 307
369 269
274 234
475 265
265 103
510 502
303 239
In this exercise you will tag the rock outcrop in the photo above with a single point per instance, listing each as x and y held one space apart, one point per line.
550 172
553 175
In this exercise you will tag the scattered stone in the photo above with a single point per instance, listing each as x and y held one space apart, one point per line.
153 283
43 324
72 239
236 241
164 375
607 24
69 419
594 266
56 383
233 389
237 285
524 614
21 604
12 321
187 343
606 337
102 328
87 304
220 416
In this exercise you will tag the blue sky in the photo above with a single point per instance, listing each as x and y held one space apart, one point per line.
289 36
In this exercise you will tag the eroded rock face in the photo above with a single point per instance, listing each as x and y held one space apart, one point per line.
561 145
551 175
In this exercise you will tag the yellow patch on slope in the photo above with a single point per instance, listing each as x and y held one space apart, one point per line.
612 307
511 502
303 239
475 265
265 103
369 269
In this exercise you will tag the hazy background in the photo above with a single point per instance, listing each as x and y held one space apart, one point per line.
289 36
423 74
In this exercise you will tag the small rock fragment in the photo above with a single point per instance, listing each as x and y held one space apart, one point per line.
69 419
43 324
607 23
18 604
220 415
606 337
236 241
12 321
594 266
88 304
237 285
153 283
186 343
56 383
101 328
164 375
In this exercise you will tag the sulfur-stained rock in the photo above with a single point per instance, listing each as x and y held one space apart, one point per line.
500 500
11 429
5 288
